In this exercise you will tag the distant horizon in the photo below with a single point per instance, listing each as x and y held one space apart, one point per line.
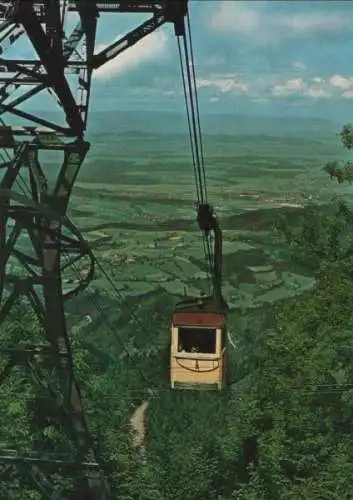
174 122
203 112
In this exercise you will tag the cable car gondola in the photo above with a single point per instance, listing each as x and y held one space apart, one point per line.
199 326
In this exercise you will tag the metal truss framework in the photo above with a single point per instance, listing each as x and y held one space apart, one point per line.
41 212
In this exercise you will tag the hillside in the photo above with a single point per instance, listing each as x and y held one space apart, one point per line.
281 430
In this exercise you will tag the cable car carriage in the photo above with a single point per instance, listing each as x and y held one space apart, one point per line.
198 350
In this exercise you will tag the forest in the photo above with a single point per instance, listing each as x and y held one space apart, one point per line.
283 428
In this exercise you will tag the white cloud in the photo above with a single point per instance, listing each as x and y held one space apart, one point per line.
298 65
151 47
223 83
317 92
348 94
314 88
292 86
275 86
341 82
253 20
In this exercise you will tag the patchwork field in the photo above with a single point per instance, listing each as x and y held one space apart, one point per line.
134 201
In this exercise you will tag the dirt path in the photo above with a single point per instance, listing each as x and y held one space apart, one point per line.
138 425
231 341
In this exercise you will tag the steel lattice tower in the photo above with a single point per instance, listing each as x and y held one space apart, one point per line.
40 213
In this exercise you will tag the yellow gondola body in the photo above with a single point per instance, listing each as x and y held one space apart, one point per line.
198 350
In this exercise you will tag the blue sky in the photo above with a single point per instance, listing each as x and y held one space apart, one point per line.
266 58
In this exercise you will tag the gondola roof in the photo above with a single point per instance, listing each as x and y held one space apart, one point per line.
203 311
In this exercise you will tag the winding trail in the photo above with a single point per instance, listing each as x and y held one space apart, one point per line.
231 341
138 425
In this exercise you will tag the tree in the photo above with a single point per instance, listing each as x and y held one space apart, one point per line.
346 135
342 172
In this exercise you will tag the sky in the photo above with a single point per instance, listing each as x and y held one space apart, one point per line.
253 57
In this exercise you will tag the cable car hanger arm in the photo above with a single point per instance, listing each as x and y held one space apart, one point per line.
208 222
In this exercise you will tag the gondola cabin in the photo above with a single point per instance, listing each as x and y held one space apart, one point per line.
198 350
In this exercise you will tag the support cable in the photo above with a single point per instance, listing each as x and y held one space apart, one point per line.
202 156
194 127
188 119
202 198
207 241
195 119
